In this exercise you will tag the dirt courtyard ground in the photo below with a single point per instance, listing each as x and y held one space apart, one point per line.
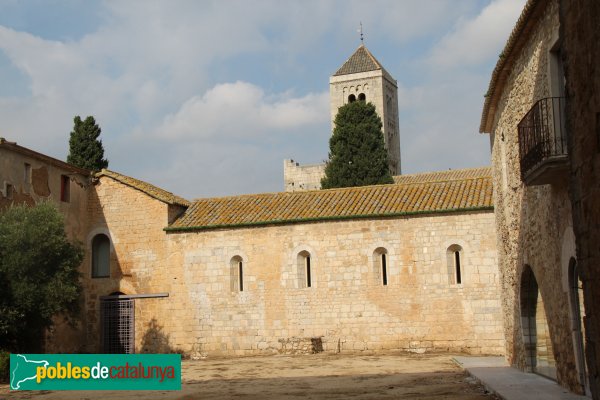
319 376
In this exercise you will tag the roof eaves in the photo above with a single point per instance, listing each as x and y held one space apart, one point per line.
323 219
51 160
504 65
174 200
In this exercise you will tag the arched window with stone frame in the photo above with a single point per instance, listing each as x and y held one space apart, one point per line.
304 270
455 263
380 265
100 256
236 274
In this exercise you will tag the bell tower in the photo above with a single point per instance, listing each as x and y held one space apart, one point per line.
363 78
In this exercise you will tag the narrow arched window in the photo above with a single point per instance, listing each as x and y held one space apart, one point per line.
351 98
380 265
384 268
362 97
455 264
236 274
304 269
100 256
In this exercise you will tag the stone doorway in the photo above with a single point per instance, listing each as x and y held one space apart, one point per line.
117 318
539 355
117 321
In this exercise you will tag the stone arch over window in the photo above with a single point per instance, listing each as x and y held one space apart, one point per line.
304 269
455 262
302 265
351 98
539 355
380 265
362 97
100 256
236 274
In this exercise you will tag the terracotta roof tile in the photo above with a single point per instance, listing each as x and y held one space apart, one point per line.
449 175
446 191
150 190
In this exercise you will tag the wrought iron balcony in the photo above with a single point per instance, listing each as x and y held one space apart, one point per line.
543 142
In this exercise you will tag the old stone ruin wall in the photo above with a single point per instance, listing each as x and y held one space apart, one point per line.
298 177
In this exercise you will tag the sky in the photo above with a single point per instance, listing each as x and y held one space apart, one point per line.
207 98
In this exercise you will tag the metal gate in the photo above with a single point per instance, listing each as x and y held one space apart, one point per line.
117 317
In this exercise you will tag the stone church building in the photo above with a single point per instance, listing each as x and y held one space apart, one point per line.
410 265
499 260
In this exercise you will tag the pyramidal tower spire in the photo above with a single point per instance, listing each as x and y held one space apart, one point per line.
363 78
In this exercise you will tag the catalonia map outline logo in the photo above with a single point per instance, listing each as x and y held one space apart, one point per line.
95 372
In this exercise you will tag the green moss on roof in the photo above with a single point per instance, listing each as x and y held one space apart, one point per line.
446 191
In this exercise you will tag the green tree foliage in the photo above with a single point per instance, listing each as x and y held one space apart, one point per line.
85 149
39 275
357 154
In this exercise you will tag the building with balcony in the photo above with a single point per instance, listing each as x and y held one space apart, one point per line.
524 114
543 143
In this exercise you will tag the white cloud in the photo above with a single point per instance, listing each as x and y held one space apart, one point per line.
404 20
241 109
232 88
477 40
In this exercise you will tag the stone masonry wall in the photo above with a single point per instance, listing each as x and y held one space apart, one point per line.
298 177
139 259
581 34
44 184
381 90
533 222
347 306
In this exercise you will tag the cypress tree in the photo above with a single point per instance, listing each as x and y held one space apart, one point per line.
357 154
85 149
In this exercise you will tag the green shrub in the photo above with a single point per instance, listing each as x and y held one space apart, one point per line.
4 366
39 275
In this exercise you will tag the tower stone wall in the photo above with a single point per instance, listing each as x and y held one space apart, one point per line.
298 177
380 89
360 78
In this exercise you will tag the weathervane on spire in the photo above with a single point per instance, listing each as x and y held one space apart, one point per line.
361 33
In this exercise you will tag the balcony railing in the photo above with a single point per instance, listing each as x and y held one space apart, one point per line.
543 142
